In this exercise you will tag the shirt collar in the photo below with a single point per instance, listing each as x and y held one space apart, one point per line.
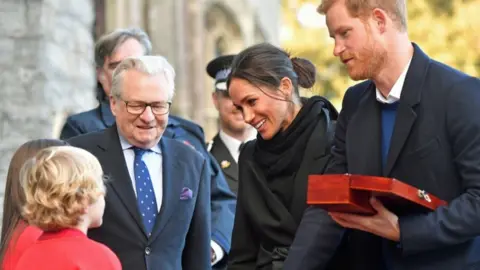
126 145
396 90
230 142
63 233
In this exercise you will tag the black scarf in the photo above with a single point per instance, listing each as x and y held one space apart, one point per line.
283 154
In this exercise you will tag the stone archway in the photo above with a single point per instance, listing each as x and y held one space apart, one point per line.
222 29
223 36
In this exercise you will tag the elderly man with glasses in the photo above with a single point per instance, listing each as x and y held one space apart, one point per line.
157 213
110 50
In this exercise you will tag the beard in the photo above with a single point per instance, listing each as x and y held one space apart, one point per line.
367 62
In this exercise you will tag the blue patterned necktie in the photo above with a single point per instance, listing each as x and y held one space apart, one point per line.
146 201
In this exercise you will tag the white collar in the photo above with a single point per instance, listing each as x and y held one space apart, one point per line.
231 143
397 88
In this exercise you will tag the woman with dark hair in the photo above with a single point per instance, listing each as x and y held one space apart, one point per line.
17 236
294 136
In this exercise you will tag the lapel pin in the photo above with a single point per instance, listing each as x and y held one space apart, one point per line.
225 164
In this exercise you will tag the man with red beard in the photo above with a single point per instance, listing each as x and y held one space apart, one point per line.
234 132
413 119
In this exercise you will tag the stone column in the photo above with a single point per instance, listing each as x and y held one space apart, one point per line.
182 102
166 28
124 13
46 69
195 36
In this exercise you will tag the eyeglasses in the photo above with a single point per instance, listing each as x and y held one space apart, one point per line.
137 107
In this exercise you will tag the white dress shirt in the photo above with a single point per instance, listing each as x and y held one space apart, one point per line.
153 160
397 88
217 249
232 144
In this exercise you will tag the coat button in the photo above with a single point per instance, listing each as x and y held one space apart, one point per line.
147 251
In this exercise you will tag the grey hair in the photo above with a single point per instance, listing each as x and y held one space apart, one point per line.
108 43
148 64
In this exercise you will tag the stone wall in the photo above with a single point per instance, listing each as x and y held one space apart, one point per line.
46 69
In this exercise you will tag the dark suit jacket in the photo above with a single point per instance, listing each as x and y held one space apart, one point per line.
262 222
435 147
94 120
220 151
223 200
181 235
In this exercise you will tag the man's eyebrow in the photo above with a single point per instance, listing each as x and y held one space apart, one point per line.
341 28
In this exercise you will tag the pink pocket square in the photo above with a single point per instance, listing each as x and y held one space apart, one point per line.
186 194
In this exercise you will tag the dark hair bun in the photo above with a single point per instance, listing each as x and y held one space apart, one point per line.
305 70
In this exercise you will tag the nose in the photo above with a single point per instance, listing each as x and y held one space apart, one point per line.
248 116
147 115
338 49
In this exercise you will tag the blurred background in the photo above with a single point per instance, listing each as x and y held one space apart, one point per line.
47 70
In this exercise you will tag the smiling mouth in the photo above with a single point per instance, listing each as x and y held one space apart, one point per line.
345 61
145 128
260 124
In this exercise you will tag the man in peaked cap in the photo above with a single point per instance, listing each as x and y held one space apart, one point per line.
226 145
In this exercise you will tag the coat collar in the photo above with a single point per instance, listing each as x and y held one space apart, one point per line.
106 113
364 128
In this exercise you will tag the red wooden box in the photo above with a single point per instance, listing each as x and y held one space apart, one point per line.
351 193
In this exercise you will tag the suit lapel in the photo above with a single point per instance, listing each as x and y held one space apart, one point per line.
403 124
168 134
172 187
114 162
406 116
363 138
221 153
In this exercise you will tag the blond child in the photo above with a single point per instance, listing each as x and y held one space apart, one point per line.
64 194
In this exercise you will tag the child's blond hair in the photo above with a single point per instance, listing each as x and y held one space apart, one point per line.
59 184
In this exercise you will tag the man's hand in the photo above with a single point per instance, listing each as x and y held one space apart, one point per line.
384 223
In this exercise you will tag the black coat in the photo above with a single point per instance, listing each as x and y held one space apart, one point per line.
264 227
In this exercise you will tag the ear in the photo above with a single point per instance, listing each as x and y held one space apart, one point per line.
85 210
286 87
113 105
380 18
101 76
215 99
